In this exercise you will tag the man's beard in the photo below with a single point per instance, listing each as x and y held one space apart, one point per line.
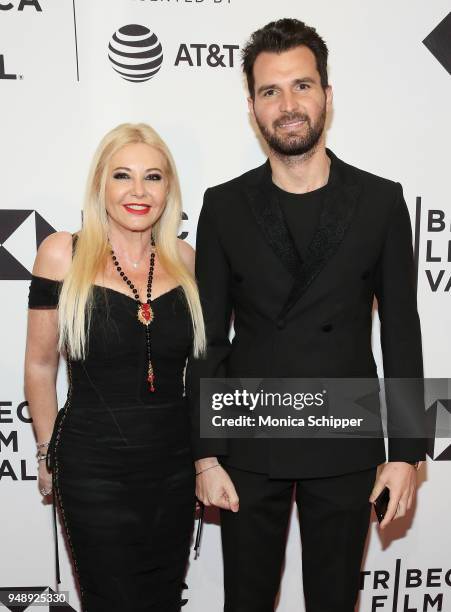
292 144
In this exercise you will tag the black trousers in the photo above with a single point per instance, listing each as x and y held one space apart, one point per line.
334 517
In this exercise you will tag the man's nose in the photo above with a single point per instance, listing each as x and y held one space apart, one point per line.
288 102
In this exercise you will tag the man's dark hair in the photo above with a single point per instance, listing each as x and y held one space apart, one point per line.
283 35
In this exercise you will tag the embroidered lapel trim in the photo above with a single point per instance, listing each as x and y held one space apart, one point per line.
338 209
271 221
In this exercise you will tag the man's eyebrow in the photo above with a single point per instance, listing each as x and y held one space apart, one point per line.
304 80
263 88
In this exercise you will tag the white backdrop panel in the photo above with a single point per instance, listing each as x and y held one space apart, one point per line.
391 108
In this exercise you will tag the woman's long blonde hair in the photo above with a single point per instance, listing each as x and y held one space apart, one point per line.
92 250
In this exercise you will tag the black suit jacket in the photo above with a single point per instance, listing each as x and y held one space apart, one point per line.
310 318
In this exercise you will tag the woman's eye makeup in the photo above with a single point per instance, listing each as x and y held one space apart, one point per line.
150 177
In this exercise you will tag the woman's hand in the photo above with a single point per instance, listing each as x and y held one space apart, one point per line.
44 479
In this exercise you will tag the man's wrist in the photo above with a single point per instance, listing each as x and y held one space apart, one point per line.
414 464
205 462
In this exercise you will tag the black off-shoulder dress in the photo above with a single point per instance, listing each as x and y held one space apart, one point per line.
120 455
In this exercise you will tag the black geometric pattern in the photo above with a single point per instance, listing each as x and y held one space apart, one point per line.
43 229
439 42
10 221
11 268
438 431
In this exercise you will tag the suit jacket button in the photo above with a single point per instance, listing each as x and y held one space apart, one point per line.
280 323
327 328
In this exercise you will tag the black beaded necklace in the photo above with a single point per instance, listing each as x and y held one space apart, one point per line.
145 313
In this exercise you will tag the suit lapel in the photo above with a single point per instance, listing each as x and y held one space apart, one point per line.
338 209
269 217
337 212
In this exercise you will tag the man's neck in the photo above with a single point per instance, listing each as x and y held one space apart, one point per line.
300 174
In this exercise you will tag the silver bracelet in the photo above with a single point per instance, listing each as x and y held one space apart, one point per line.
41 457
208 468
42 445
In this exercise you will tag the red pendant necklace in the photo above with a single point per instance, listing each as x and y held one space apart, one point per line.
145 312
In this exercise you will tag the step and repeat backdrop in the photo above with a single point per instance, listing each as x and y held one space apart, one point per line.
61 89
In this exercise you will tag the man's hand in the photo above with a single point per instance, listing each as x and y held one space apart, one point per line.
213 485
401 479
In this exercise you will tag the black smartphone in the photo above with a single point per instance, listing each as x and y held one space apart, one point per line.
381 504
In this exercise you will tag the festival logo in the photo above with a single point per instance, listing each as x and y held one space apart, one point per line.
438 418
21 5
439 42
21 233
6 75
406 589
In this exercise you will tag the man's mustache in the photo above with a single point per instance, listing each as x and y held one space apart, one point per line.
291 117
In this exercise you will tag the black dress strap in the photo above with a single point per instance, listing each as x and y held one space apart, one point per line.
43 293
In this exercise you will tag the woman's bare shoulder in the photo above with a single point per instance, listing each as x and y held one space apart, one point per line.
187 253
54 256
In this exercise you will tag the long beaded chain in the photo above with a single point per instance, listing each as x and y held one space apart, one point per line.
145 312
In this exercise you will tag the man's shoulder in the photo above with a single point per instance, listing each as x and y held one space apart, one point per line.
366 178
350 173
238 184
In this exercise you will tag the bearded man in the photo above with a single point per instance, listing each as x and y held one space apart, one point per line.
297 250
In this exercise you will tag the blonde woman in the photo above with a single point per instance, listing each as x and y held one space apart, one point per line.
119 298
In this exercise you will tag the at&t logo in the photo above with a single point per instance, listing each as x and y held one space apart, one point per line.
213 55
135 53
